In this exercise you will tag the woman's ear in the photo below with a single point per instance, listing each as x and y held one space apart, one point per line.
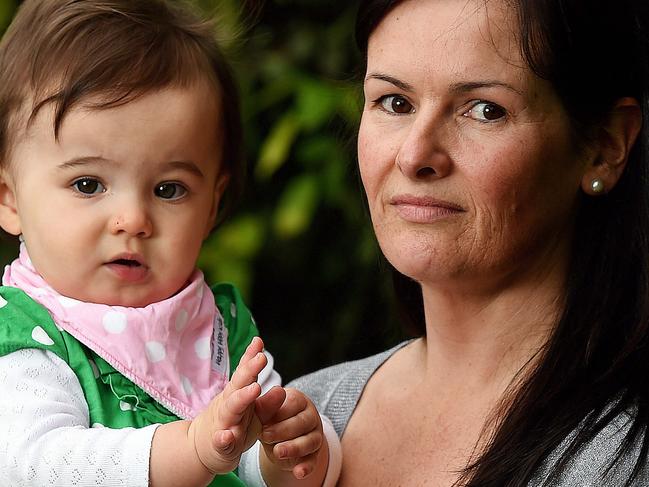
9 219
616 140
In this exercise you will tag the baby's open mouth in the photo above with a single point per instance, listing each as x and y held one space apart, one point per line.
131 268
126 262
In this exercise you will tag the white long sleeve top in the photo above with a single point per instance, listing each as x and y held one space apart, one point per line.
46 438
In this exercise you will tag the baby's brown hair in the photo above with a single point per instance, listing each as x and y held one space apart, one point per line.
67 52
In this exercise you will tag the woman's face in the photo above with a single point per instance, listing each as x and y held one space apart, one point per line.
466 156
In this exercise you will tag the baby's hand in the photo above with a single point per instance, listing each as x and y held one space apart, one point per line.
291 434
229 426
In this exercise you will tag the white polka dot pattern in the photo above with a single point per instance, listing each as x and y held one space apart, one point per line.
114 322
155 351
186 385
202 348
181 319
39 335
124 406
68 302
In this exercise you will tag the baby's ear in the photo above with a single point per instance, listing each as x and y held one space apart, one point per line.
9 219
219 188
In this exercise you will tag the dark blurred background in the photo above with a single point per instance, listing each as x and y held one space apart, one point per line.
299 245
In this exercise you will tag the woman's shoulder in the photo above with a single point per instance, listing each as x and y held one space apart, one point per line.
594 463
336 390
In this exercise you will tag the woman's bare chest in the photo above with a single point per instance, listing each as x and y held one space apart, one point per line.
388 443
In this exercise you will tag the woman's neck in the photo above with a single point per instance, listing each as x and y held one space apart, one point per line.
485 339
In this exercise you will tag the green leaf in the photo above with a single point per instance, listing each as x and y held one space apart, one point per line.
351 105
296 207
7 10
316 103
240 237
277 146
229 254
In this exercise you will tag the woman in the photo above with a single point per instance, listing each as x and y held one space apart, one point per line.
504 157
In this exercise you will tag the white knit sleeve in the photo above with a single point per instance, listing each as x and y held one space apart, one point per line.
269 377
45 435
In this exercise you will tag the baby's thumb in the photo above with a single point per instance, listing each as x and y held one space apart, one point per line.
223 442
267 406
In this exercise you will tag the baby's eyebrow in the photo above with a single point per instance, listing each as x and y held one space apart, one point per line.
188 166
82 161
76 162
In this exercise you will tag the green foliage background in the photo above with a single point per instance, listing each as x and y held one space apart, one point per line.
300 245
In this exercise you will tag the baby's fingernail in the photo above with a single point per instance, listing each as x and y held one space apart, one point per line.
301 472
281 452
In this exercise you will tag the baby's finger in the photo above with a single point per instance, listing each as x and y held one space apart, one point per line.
255 346
236 404
293 427
299 447
286 464
305 467
294 403
289 464
267 406
247 372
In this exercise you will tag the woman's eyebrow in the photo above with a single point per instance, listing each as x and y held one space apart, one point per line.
390 79
459 87
466 86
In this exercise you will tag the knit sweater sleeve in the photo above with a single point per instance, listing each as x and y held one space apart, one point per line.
336 390
45 435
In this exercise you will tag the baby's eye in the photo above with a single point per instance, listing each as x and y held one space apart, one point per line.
88 186
395 104
485 111
170 191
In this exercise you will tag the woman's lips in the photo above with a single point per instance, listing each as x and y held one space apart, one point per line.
423 209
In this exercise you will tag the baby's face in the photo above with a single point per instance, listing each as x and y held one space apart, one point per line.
115 212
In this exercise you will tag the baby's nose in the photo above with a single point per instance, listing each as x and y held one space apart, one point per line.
134 221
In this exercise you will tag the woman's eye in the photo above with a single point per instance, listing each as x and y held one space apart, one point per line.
396 104
486 112
88 186
170 191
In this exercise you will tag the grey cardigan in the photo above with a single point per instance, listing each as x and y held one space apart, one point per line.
337 389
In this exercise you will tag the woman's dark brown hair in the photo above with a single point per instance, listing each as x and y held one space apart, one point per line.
595 365
70 52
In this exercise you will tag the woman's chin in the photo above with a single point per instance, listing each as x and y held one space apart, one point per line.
422 259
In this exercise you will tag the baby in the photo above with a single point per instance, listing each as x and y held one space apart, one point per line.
120 141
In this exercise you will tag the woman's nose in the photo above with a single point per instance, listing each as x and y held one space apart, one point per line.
133 220
423 153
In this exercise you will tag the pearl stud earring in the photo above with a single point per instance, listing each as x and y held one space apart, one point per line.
597 185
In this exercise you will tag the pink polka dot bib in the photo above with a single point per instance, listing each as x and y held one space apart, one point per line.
175 350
